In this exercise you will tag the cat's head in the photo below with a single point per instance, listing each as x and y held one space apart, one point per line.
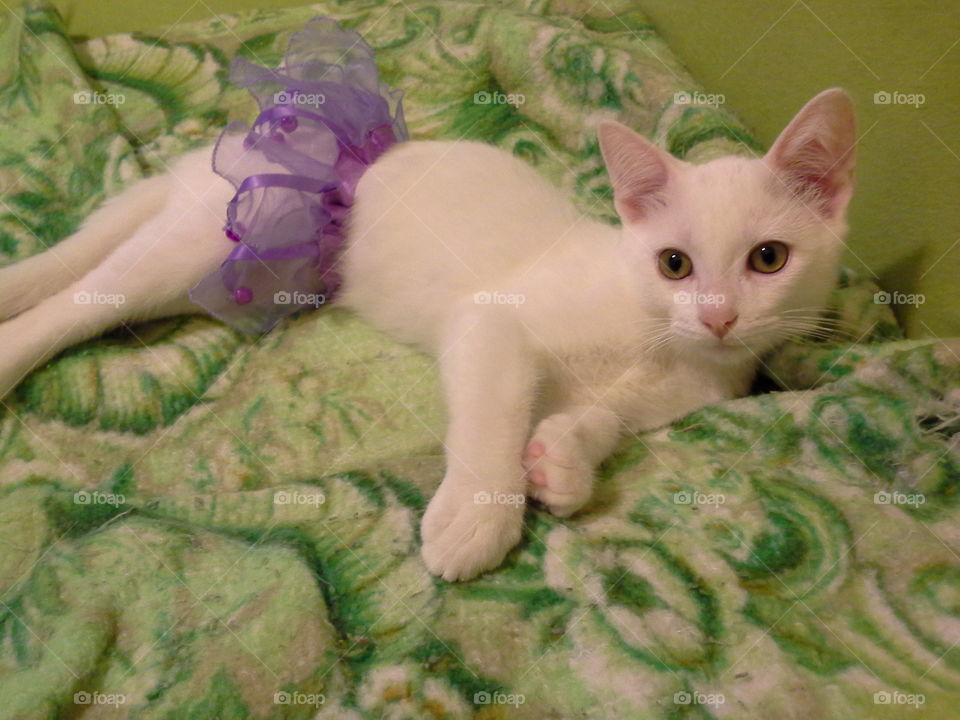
736 254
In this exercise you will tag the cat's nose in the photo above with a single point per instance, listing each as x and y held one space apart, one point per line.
718 320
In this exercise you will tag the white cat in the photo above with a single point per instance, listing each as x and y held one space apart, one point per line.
555 334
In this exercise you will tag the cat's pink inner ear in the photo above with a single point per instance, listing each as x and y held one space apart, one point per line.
815 154
638 171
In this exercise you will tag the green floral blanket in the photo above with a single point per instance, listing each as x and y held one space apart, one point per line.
194 524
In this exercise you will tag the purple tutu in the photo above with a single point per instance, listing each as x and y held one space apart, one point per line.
324 118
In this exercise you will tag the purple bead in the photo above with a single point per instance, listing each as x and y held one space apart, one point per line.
242 295
236 232
288 123
249 141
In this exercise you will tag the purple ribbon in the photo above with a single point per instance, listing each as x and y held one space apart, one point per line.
289 226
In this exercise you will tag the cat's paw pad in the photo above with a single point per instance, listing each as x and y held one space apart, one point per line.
557 475
466 533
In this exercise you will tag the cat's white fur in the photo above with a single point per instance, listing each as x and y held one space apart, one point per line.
555 334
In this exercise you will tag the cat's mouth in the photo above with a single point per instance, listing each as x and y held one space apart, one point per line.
733 347
747 345
729 346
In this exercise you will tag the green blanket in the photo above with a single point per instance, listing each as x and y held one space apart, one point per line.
194 524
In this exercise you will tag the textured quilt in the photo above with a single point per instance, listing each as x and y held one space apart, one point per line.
196 524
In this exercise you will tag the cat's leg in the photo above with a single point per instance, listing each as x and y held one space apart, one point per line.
25 283
476 515
147 277
567 445
563 452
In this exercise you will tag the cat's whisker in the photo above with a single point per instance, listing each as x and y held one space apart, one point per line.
804 326
663 342
656 329
811 324
654 343
831 324
653 324
834 322
812 328
647 337
806 309
826 319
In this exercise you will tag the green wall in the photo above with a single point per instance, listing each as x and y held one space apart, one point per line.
767 58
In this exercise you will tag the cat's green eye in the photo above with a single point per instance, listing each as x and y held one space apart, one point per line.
674 264
768 257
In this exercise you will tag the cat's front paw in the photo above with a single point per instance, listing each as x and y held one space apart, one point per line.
466 533
557 474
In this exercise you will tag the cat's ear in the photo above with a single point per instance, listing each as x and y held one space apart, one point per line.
815 154
639 171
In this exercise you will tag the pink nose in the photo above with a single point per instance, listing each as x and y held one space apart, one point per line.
718 320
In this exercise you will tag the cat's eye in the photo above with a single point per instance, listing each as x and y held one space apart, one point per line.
768 257
674 264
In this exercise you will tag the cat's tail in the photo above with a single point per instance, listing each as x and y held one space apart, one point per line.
26 283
